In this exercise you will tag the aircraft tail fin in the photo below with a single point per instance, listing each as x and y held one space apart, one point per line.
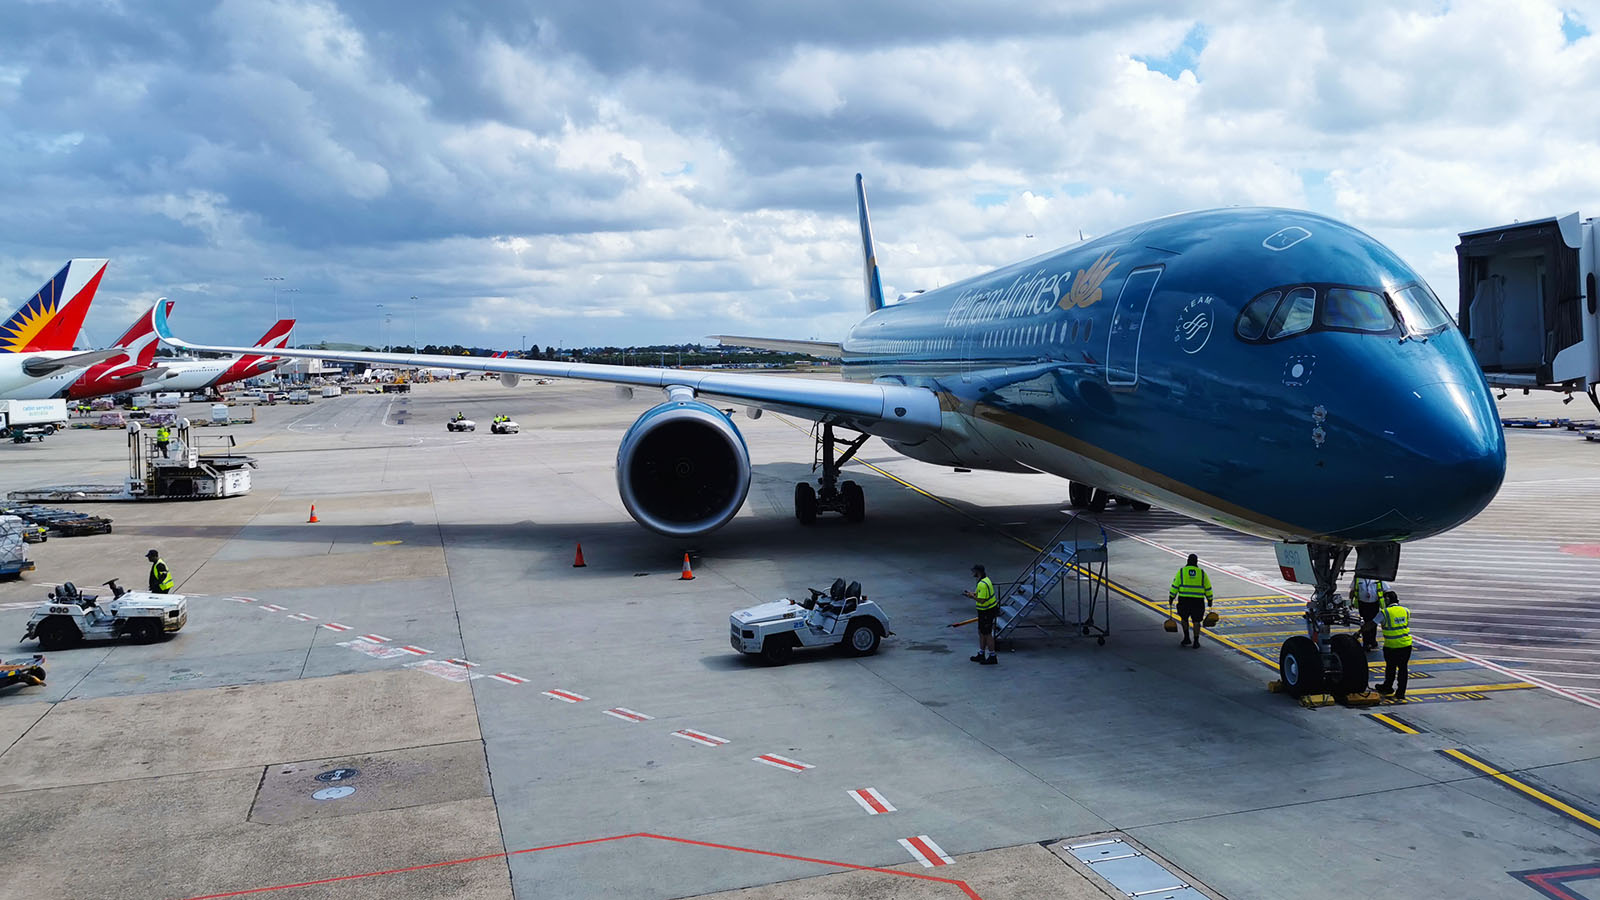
869 259
51 318
277 335
140 339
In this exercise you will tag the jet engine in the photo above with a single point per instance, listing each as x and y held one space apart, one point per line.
683 469
509 379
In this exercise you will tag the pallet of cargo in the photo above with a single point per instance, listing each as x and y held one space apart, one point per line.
1529 423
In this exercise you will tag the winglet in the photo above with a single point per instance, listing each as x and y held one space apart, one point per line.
869 260
159 323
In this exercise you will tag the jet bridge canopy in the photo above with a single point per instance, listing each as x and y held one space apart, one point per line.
1527 303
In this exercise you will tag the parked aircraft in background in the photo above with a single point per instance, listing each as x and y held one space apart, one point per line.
199 374
36 340
132 369
1270 370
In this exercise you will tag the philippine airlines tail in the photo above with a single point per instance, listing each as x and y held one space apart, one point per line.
869 259
51 318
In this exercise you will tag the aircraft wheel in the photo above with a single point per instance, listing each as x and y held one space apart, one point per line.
861 640
1300 666
1078 494
1353 673
1098 500
777 649
805 503
855 502
1101 641
1139 505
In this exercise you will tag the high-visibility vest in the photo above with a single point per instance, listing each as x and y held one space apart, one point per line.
1192 583
160 575
985 594
163 435
1396 621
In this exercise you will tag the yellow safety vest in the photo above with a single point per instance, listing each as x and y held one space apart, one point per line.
162 577
1396 622
163 435
985 594
1192 583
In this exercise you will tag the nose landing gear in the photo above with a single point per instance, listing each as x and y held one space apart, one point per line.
830 495
1319 661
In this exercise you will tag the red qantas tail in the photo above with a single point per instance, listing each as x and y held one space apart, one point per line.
140 338
277 335
253 365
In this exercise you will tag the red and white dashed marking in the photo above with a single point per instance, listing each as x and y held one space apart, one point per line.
870 800
700 737
376 651
374 639
335 626
509 678
564 696
272 607
243 599
626 714
415 651
925 851
442 669
302 617
465 664
782 762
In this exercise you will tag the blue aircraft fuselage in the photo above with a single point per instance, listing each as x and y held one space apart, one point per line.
1274 371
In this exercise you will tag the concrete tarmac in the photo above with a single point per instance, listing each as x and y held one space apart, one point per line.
491 722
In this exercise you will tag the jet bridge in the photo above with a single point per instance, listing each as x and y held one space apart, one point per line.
1528 304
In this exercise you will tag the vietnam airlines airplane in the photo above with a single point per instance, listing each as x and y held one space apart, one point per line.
36 341
1270 370
199 374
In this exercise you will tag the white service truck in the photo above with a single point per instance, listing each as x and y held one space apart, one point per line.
33 413
70 616
1529 305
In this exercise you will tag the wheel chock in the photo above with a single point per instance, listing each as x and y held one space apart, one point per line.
1274 687
1365 698
1314 701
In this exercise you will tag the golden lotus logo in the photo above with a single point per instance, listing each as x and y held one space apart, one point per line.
1085 290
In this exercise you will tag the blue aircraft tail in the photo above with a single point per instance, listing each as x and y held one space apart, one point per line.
869 260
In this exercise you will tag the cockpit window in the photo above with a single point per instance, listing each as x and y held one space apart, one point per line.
1419 309
1351 309
1253 321
1294 315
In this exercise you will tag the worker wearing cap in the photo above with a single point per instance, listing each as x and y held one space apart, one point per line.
988 608
1191 588
163 439
1368 594
160 576
1396 623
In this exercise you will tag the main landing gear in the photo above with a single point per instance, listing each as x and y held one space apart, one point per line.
1319 661
1083 496
830 496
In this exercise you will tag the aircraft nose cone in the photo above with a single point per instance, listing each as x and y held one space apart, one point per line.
1457 456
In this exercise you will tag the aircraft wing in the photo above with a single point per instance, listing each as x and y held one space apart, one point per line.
40 366
895 411
818 349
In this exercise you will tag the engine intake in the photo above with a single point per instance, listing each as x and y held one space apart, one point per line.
683 469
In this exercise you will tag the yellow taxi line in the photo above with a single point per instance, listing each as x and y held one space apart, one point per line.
1523 787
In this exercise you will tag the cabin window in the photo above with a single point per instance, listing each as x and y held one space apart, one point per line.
1355 310
1294 315
1253 321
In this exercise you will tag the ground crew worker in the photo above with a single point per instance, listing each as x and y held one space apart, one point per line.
163 439
1368 594
160 577
460 416
1396 622
988 608
1191 587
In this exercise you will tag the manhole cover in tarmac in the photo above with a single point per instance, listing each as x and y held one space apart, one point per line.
344 774
333 793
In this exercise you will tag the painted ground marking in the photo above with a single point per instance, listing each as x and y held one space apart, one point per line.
870 800
700 737
626 714
782 762
509 678
564 696
925 851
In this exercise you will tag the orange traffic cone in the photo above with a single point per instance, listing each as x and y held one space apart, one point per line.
577 561
688 574
313 514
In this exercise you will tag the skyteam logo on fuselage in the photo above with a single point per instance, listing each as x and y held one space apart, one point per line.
1194 325
1033 293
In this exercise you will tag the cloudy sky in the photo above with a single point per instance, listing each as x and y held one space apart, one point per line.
588 172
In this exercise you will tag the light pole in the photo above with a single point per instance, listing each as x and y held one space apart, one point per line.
291 312
380 323
414 323
276 280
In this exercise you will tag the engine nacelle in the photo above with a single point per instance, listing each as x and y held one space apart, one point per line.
683 469
509 379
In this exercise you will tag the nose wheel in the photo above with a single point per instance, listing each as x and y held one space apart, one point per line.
1320 661
1084 496
830 495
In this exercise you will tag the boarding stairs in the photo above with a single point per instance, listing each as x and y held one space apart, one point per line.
1068 558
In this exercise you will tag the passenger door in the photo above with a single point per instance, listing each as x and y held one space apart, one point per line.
1127 325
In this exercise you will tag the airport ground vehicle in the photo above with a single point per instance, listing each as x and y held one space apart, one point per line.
13 554
840 617
461 425
32 415
71 616
506 427
22 671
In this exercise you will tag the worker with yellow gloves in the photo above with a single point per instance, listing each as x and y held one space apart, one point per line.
1396 623
1191 588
